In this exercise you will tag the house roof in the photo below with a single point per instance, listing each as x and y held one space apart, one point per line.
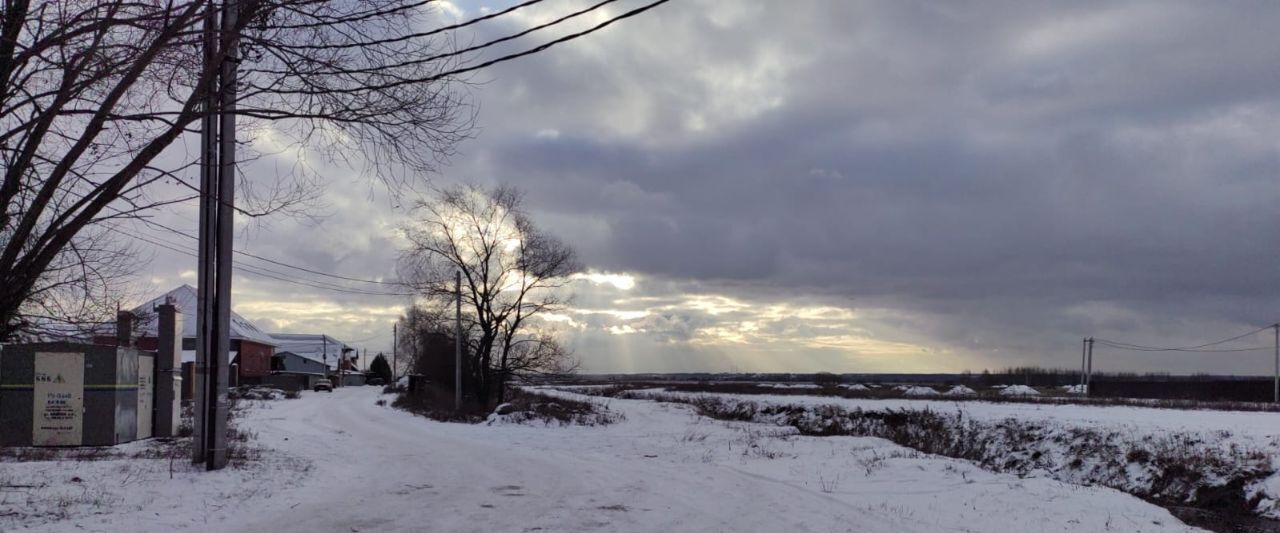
185 298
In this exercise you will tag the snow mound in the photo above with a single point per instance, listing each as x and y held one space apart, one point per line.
789 385
1019 390
1073 389
1268 492
853 386
262 393
960 390
920 391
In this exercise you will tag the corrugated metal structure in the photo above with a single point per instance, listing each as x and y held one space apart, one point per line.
68 394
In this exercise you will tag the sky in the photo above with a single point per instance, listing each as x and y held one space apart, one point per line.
855 186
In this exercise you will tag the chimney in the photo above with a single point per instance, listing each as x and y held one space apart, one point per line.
124 328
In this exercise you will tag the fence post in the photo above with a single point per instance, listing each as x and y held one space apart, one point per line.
168 382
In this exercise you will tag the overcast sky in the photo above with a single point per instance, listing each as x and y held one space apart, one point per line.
861 186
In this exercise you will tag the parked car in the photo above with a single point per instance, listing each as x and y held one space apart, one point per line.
374 381
323 385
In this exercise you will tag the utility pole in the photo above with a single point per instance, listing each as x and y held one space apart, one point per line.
1084 347
1276 395
217 204
325 342
457 341
395 345
1088 376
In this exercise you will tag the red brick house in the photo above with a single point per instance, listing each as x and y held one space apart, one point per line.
251 347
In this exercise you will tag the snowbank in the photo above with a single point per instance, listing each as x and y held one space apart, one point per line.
1019 390
919 391
854 386
961 390
260 393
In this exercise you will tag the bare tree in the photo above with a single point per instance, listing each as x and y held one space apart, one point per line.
97 98
79 288
511 273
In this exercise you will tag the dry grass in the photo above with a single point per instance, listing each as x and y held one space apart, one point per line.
437 403
524 406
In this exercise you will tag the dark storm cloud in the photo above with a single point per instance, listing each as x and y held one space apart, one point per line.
858 185
1015 174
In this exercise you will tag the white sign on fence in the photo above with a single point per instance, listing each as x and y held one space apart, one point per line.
146 393
59 399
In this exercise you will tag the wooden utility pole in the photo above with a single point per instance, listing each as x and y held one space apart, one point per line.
457 341
1276 394
1088 376
1084 348
395 345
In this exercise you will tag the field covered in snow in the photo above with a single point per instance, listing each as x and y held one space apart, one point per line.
340 462
1249 429
1221 461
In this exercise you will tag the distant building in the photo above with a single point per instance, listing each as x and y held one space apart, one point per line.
292 363
317 347
306 353
291 371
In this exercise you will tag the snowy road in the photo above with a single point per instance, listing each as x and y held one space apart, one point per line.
374 468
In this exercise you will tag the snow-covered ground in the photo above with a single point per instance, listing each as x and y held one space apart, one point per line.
1247 429
338 462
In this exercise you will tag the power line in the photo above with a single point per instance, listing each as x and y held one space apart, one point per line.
1136 349
436 31
266 259
1200 348
268 273
478 66
279 263
549 44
